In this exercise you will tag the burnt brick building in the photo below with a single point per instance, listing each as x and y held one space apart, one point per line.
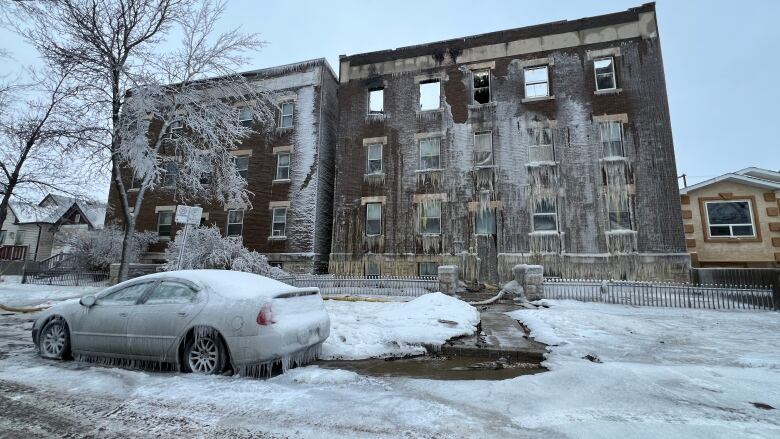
545 144
289 169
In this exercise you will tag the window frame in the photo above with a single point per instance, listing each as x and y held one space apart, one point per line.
243 173
144 299
274 222
283 115
477 216
427 264
381 217
370 93
474 87
101 297
553 214
243 122
535 145
420 92
420 216
228 223
546 81
627 211
168 174
731 226
170 225
369 159
596 74
488 133
612 123
367 272
438 155
279 155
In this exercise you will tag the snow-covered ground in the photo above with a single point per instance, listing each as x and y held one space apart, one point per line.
663 373
14 293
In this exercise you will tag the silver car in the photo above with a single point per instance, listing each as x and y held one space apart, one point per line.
203 321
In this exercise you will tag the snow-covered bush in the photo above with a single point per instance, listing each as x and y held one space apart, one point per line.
207 248
98 249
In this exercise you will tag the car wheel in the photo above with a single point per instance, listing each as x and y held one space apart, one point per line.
54 340
205 354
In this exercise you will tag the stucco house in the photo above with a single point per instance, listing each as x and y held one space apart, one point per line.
733 220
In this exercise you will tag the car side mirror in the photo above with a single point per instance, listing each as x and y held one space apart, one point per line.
87 300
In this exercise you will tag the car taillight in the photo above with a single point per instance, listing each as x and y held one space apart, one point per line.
266 316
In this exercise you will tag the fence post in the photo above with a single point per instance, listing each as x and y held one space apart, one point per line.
449 279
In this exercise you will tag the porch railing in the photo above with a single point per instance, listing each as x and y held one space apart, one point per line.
366 286
13 252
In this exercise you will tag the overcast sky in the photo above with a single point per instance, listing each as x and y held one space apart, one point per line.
721 57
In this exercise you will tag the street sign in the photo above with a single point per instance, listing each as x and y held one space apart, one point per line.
188 215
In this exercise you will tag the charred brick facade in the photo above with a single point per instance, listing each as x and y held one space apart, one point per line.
548 144
305 196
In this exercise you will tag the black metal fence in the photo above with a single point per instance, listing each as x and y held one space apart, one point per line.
366 286
661 294
67 278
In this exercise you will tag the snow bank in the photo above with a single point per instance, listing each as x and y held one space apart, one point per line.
362 330
317 375
17 294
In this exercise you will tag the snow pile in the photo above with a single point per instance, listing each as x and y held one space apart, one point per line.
317 375
362 330
23 295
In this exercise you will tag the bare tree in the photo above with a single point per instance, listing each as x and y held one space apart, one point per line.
114 46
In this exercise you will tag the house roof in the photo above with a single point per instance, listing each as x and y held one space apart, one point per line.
757 177
53 208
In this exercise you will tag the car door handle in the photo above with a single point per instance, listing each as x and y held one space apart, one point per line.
122 314
183 313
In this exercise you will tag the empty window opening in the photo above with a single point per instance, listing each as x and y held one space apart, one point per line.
481 86
282 166
485 221
376 101
605 73
730 219
430 153
537 82
428 269
373 219
164 223
245 117
430 95
545 215
612 139
541 147
279 223
483 149
374 159
430 217
287 111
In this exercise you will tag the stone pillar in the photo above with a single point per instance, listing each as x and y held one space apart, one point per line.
449 279
531 278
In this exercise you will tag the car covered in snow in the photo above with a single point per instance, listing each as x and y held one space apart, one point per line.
203 321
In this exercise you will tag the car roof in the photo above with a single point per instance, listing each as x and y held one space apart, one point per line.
229 284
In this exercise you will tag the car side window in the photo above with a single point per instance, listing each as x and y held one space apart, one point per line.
170 292
125 296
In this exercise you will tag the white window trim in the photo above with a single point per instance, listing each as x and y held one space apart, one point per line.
420 217
241 121
158 212
596 77
381 219
554 214
492 151
622 137
289 166
273 222
546 81
539 146
282 115
228 223
235 163
730 226
419 147
381 159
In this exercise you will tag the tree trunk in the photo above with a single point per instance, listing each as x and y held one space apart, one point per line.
124 263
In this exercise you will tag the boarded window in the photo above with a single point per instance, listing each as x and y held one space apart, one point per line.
485 221
376 101
235 222
430 95
540 145
282 166
374 159
545 215
430 217
245 117
286 117
605 73
374 219
164 223
242 165
536 82
279 224
730 219
430 153
481 86
483 148
619 212
612 139
169 174
428 269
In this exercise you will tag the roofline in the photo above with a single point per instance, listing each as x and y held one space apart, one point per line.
746 179
758 170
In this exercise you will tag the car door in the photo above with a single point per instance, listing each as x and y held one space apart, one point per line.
103 327
161 317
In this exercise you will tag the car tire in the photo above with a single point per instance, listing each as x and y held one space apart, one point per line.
204 354
54 340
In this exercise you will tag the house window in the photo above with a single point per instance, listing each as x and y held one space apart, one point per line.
276 264
537 82
245 117
485 221
430 94
170 171
279 222
541 145
430 153
19 240
373 219
242 165
605 73
730 219
374 159
164 222
205 170
481 86
235 222
282 166
376 101
483 149
619 212
286 119
545 215
372 269
428 269
430 217
612 139
174 130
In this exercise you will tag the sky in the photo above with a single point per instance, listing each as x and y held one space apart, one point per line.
720 57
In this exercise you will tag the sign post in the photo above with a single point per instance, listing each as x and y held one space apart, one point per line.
186 215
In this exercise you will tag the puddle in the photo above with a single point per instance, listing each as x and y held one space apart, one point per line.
437 368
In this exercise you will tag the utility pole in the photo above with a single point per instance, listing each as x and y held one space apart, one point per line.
685 180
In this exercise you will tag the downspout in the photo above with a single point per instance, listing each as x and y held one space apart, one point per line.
37 241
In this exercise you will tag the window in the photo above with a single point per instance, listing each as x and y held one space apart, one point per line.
605 73
19 239
277 264
170 171
170 293
279 222
205 167
481 86
485 221
483 149
730 219
428 269
245 117
430 95
372 269
286 119
242 165
537 82
282 166
235 222
174 130
164 222
125 296
612 139
430 217
376 101
373 219
541 145
619 213
430 153
374 162
545 215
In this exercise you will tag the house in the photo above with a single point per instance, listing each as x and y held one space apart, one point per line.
734 220
30 231
289 171
546 144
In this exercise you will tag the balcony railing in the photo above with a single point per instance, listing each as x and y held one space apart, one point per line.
13 252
